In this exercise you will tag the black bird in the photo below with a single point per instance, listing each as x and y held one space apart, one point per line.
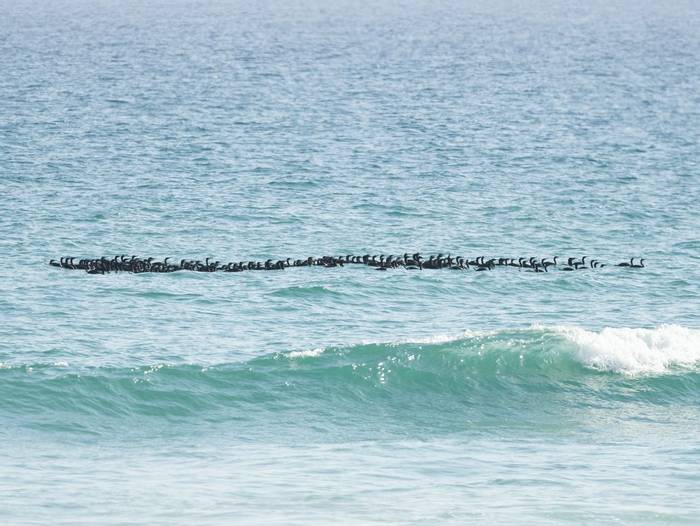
546 263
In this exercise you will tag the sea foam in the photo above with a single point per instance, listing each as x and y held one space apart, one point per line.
635 351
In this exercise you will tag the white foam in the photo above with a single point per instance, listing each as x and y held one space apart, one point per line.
433 339
444 338
306 354
635 351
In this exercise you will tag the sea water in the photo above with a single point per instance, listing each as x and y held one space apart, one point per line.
247 131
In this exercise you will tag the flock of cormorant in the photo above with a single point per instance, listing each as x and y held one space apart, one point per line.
137 265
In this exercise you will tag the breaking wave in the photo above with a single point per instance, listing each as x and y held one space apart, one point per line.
515 374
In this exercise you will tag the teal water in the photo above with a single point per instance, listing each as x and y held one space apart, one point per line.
244 131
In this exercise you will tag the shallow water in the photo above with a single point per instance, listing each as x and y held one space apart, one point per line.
238 131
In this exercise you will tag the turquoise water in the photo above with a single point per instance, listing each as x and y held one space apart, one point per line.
244 131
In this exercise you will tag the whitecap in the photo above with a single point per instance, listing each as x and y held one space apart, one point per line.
635 351
306 354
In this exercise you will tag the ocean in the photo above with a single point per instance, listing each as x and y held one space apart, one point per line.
241 131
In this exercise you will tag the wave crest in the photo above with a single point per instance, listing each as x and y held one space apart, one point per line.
635 351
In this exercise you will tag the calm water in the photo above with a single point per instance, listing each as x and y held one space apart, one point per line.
239 130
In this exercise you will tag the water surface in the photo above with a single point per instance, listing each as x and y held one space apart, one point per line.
239 131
